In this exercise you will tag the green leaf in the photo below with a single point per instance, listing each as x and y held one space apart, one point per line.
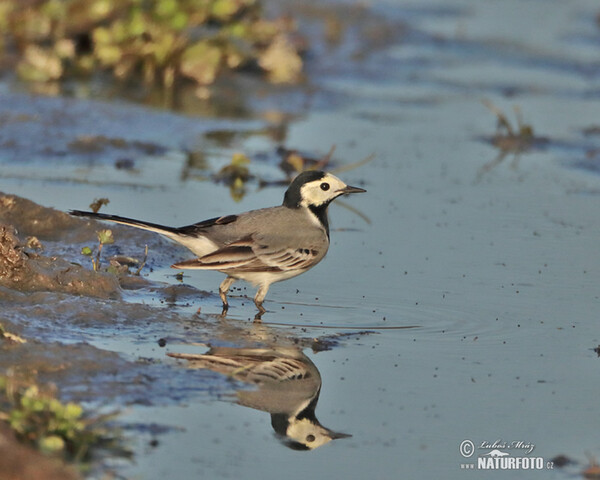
201 61
73 411
105 237
51 444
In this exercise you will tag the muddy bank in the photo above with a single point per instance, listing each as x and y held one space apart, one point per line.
41 251
30 272
24 226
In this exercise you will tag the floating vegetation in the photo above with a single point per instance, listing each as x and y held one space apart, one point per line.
293 162
510 139
158 41
236 174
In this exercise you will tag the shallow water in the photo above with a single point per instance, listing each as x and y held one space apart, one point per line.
496 271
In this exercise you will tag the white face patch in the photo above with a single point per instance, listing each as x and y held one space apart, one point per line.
322 191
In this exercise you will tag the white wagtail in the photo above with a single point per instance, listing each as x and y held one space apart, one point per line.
260 246
288 386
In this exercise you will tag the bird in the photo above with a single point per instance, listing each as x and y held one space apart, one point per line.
261 246
287 384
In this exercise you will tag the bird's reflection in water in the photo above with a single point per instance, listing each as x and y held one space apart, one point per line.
287 387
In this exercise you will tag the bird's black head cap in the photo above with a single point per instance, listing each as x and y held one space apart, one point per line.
292 197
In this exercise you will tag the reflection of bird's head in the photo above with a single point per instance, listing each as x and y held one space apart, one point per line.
303 432
306 435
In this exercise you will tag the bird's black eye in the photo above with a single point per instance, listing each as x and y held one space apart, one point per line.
310 438
324 186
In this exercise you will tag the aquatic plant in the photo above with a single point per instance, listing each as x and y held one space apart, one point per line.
510 139
159 41
235 174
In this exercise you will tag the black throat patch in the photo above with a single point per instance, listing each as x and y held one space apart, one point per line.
293 197
321 213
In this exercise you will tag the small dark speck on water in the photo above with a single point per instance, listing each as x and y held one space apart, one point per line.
124 164
162 342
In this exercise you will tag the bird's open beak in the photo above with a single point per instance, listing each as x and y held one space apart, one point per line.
348 189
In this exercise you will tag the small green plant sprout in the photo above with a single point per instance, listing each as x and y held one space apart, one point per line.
105 237
42 421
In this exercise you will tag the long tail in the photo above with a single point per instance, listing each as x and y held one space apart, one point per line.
153 227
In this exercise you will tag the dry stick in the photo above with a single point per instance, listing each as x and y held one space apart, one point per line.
352 166
96 263
143 261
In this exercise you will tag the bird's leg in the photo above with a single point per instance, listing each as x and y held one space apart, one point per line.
223 289
259 298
